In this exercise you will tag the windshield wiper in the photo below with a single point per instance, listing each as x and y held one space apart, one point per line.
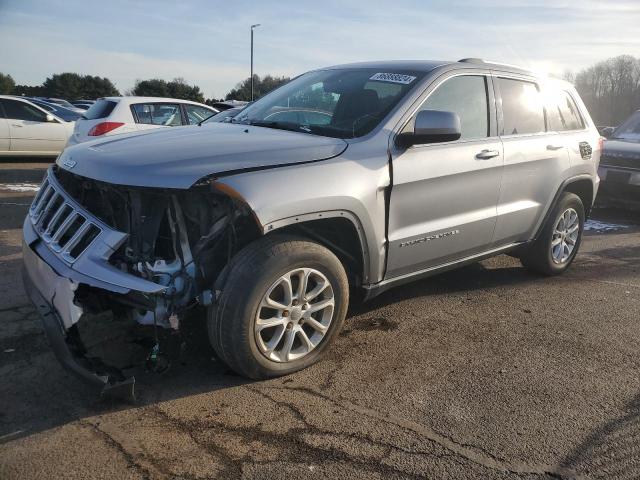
290 126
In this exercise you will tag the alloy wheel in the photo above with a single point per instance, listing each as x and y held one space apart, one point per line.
294 315
565 236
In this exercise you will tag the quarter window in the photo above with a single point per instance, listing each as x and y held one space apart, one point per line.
522 107
167 114
562 112
569 112
197 114
23 111
466 96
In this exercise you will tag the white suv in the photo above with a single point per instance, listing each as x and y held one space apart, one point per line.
118 115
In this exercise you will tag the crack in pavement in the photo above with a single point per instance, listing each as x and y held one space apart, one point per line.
472 453
290 442
109 440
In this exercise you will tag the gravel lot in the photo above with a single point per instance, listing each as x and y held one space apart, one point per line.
485 372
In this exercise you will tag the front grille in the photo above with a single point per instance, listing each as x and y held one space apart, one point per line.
61 225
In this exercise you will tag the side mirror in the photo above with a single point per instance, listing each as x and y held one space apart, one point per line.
432 126
607 131
50 118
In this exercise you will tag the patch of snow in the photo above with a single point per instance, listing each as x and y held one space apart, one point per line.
597 226
20 187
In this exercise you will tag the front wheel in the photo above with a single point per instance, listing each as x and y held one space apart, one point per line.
284 300
559 240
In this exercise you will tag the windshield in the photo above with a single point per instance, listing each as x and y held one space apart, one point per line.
344 103
630 129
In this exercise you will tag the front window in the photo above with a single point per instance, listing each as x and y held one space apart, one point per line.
630 129
344 103
465 96
16 110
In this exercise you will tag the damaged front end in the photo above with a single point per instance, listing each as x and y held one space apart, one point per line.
144 254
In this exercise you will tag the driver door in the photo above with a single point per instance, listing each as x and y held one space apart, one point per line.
29 129
443 202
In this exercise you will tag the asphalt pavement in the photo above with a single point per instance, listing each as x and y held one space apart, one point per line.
486 372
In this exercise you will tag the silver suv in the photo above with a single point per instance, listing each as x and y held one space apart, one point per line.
354 178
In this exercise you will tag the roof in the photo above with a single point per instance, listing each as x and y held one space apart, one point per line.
133 98
429 65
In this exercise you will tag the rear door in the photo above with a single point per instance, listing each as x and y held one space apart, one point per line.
29 129
565 120
443 200
534 158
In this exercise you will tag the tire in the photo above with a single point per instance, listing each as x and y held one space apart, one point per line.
233 321
540 257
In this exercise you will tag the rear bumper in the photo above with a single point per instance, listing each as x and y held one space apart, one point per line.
629 177
619 185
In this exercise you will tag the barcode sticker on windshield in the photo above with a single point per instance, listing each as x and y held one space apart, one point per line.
393 78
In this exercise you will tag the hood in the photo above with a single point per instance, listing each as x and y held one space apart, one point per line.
178 157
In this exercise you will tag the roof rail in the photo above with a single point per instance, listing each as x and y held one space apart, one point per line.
471 60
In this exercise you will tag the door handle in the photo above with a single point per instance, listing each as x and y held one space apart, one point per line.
554 147
487 154
16 125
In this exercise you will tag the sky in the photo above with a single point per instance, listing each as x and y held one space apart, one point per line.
207 42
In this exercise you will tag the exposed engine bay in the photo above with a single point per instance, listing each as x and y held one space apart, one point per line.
180 239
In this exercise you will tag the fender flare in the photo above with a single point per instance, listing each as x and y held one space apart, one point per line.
556 198
321 215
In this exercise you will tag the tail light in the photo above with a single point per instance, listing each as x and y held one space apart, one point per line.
104 127
601 143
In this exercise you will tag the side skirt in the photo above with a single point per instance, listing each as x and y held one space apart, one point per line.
373 290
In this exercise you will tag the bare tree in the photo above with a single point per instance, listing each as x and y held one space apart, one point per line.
611 89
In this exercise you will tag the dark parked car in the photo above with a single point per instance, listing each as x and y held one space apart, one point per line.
57 110
225 116
620 162
227 104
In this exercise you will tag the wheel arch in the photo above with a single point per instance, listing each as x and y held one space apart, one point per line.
581 185
338 230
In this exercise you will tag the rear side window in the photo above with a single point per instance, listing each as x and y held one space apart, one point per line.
569 112
522 107
197 114
16 110
466 96
100 109
562 112
167 114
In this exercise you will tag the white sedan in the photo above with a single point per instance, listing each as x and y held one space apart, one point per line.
29 130
118 115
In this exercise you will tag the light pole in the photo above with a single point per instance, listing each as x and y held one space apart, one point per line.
252 27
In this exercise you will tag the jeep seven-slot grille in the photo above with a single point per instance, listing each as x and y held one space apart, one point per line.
60 225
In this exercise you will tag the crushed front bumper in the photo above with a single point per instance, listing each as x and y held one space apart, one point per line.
53 272
40 280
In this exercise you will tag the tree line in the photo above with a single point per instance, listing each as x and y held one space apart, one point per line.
610 89
72 86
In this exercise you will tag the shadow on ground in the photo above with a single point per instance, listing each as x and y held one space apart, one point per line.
33 378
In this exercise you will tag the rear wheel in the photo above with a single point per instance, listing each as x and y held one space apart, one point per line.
559 240
284 300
